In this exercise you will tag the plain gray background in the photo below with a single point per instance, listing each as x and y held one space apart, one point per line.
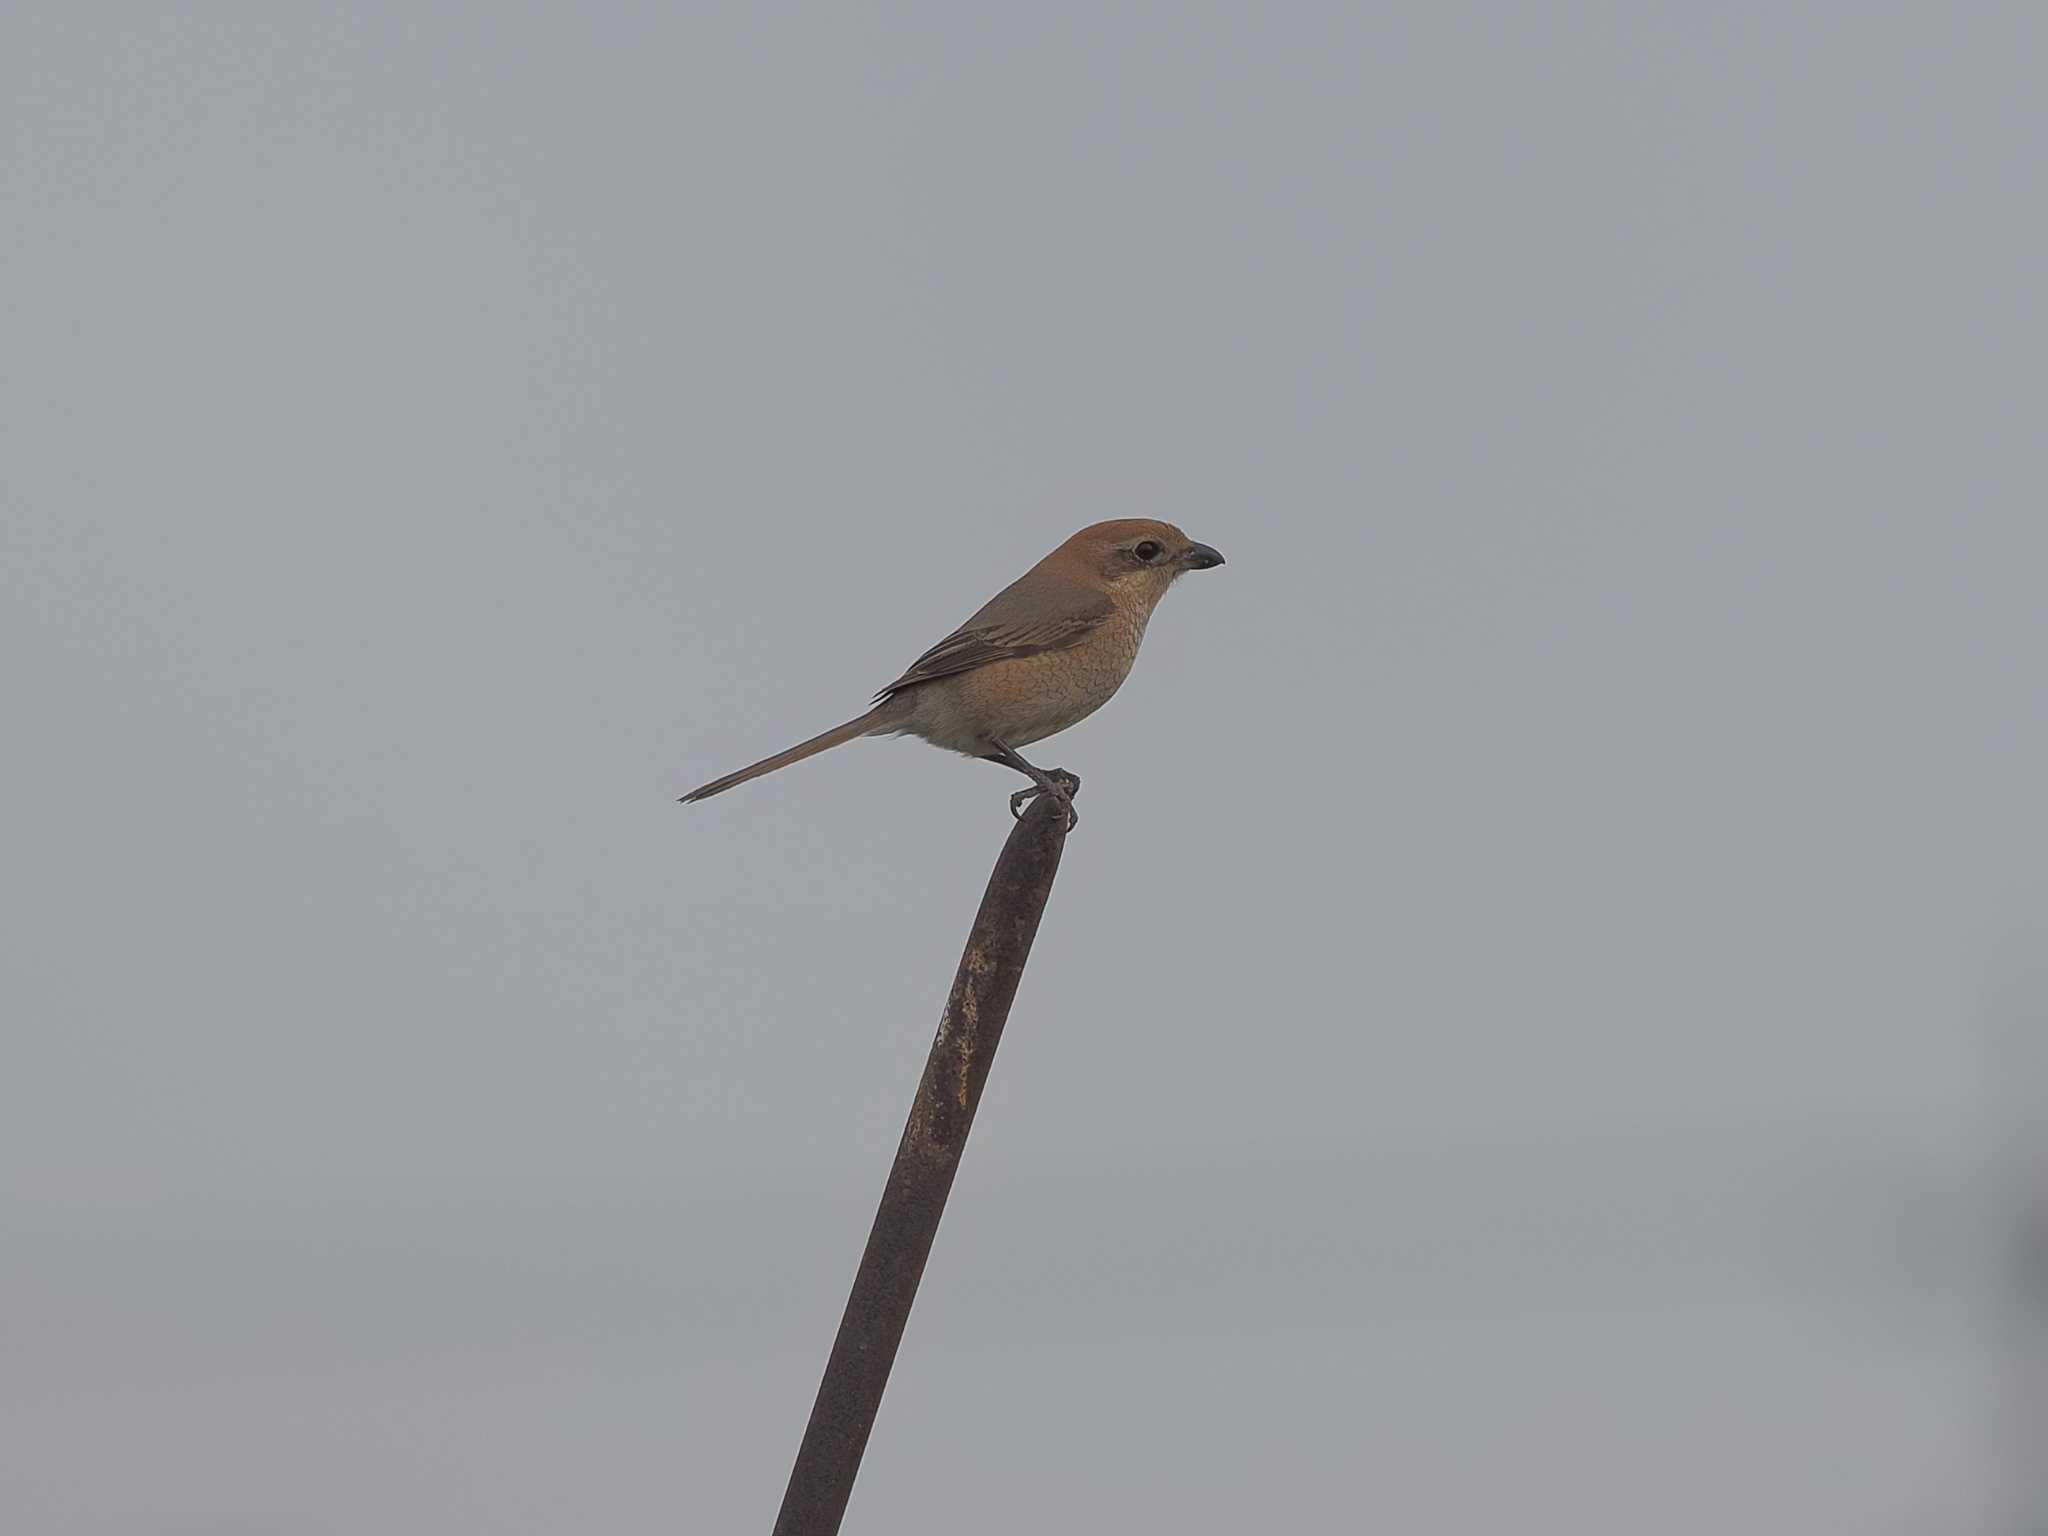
1535 1025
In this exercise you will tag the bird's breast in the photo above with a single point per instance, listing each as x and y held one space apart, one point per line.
1027 698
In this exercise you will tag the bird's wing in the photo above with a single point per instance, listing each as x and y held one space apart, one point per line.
1039 613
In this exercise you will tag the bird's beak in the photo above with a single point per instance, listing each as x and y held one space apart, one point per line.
1200 557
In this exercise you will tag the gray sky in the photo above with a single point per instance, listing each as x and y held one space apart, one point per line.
1511 1033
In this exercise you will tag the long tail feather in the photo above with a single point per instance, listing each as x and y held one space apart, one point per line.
874 719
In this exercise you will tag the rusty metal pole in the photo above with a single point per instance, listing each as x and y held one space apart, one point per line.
929 1154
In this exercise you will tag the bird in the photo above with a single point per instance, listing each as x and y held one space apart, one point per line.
1044 653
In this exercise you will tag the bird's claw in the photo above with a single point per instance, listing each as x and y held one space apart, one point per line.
1063 784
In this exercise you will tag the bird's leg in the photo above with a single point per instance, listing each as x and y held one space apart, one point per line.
1057 782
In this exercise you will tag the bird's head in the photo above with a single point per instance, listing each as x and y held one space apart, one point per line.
1137 557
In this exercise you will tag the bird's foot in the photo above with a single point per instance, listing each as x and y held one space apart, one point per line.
1058 783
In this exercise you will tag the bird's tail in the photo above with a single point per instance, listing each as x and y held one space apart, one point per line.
881 717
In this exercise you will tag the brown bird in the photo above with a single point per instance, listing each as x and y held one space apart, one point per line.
1042 654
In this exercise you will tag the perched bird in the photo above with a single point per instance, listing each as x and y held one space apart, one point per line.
1045 652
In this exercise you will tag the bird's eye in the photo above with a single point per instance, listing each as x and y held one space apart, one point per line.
1147 551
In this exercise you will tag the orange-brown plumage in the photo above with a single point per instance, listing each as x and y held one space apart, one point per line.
1042 654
